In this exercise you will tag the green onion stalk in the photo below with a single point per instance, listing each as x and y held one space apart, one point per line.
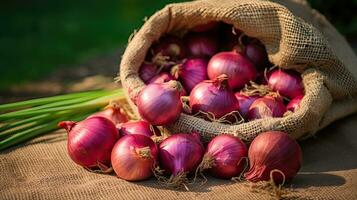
25 120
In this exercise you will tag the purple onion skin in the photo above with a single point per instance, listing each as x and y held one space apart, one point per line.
137 127
213 97
270 151
127 162
266 107
236 66
294 104
90 141
147 71
192 72
244 103
257 54
180 153
201 45
287 82
171 46
228 153
163 77
160 104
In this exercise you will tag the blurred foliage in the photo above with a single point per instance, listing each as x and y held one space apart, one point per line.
37 36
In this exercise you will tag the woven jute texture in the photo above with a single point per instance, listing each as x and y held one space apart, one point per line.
41 169
296 37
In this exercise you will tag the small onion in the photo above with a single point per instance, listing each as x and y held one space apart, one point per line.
134 157
294 104
266 107
213 96
270 151
114 113
256 52
147 71
201 44
239 69
170 46
90 141
225 156
191 72
245 102
287 82
160 104
163 77
138 127
180 154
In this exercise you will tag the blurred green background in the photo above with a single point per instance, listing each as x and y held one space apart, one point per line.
38 36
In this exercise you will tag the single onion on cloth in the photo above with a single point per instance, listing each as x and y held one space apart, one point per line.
179 155
134 157
90 142
214 97
294 104
225 156
140 127
266 107
239 69
191 72
160 104
287 82
273 154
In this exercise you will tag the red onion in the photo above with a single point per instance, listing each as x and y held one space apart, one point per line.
134 157
147 71
294 104
273 150
90 141
191 72
237 67
257 54
161 78
160 104
206 27
213 96
171 46
287 82
201 44
138 127
180 154
245 102
225 156
114 113
266 107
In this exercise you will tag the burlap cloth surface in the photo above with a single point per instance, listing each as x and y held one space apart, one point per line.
41 169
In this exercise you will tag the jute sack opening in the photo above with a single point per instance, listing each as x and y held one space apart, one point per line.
295 36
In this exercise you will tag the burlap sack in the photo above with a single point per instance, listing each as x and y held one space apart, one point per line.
295 36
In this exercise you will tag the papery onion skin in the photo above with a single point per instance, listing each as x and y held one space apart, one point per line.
256 52
239 69
147 71
213 96
180 153
134 157
192 72
201 45
160 104
140 127
287 82
245 102
171 46
114 113
266 107
273 150
163 77
90 141
228 153
294 103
